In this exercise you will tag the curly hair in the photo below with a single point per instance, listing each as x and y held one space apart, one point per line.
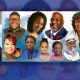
11 38
32 19
76 16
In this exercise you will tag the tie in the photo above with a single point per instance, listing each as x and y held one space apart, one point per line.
51 36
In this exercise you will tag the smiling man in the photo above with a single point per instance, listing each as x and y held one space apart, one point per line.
57 30
14 25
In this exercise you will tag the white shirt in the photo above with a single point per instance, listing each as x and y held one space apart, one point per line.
72 57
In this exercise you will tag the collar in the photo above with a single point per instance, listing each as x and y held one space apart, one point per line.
73 53
18 29
54 33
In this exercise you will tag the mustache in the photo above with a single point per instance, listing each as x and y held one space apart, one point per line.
51 24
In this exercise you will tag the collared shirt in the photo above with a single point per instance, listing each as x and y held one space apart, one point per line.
19 33
71 55
55 32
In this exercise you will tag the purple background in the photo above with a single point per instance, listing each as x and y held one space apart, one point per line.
40 71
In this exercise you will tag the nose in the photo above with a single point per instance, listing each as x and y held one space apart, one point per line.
39 25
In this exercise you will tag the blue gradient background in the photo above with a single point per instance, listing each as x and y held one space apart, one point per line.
39 71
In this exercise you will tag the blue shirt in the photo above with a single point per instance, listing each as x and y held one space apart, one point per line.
24 55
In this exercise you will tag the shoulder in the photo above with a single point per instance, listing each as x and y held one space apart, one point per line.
22 28
48 32
64 30
6 30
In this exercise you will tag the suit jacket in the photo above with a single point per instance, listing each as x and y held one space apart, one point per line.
61 34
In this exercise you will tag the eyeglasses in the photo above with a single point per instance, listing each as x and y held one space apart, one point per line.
14 19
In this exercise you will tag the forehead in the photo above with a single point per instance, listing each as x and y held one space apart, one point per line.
16 16
29 39
39 18
58 44
8 40
57 15
70 41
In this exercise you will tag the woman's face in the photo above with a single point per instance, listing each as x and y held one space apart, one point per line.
44 47
77 26
58 49
9 47
38 24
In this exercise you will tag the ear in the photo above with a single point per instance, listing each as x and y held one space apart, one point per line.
62 22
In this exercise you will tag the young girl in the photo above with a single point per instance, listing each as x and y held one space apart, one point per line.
44 50
57 49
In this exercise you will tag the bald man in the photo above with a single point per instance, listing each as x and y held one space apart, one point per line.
57 30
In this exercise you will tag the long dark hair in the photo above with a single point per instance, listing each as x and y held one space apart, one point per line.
32 19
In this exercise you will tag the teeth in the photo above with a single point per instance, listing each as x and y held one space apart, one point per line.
10 49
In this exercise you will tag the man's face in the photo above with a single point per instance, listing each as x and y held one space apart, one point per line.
77 26
56 22
14 21
71 45
9 47
38 24
29 43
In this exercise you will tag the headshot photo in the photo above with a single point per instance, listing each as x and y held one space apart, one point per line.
57 48
14 25
57 30
10 53
70 51
76 26
29 52
44 56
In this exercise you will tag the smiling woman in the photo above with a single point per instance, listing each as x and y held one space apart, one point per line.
11 53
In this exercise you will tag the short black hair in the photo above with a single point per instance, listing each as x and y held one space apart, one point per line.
32 19
57 42
30 37
15 13
76 16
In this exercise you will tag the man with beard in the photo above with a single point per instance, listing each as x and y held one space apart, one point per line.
14 25
57 30
70 52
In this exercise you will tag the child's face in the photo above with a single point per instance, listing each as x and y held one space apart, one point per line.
58 49
9 47
44 47
30 44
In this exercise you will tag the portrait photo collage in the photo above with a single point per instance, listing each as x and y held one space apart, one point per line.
40 36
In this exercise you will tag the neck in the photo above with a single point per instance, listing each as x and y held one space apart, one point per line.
58 55
14 30
30 51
